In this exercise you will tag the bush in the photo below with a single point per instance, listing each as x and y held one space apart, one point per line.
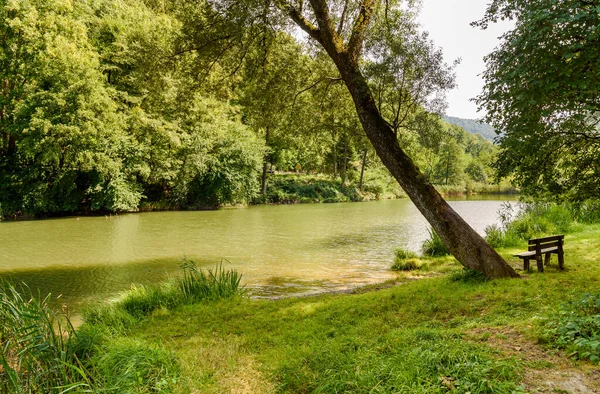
434 246
577 328
405 260
498 237
533 221
587 211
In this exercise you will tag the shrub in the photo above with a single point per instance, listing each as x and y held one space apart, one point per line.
577 328
498 237
433 246
405 260
587 211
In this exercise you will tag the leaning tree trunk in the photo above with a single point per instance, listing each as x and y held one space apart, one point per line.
468 247
464 243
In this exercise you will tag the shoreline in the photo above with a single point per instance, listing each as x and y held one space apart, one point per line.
143 209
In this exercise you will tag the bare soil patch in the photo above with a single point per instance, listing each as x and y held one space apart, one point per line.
544 370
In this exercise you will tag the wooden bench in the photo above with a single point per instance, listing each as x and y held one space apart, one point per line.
544 246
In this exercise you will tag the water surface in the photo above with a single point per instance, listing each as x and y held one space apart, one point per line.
279 249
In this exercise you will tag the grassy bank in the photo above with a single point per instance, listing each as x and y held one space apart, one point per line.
436 329
301 188
448 332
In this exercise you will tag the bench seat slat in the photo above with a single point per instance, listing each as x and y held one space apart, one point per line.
532 253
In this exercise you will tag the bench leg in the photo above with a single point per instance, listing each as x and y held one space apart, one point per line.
526 264
547 258
561 261
540 265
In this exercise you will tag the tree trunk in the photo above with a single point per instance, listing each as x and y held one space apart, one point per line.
362 170
468 247
344 173
335 158
263 181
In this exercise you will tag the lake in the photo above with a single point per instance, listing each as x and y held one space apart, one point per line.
284 249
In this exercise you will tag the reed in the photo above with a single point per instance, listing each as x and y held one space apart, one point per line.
36 357
198 285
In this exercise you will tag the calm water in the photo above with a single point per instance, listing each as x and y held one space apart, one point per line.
279 249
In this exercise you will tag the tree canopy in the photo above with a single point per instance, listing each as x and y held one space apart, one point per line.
542 93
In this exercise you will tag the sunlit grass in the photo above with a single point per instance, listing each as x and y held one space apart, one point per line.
415 337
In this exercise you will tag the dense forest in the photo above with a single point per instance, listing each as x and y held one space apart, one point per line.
117 105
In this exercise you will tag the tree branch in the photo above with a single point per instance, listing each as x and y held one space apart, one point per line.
304 23
332 41
358 31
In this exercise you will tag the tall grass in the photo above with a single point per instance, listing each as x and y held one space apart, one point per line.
433 246
539 219
36 356
405 260
43 353
197 285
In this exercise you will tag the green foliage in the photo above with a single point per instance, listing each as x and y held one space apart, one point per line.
533 220
587 211
577 328
433 246
405 260
98 114
285 189
36 354
120 105
540 93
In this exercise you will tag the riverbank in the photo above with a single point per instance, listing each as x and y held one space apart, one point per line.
448 332
302 189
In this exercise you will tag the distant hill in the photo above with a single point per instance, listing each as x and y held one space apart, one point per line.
473 127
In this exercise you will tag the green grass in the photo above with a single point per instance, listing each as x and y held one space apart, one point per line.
36 356
416 338
42 353
440 334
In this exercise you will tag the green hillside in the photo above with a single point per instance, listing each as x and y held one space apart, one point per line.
473 126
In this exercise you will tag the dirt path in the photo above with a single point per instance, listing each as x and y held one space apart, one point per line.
544 371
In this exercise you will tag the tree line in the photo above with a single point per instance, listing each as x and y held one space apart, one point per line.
111 105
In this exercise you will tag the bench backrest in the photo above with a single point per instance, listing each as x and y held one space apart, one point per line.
546 242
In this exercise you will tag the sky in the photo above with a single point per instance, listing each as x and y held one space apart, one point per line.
448 21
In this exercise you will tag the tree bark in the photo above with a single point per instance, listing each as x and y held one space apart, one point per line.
468 247
263 181
362 170
345 162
